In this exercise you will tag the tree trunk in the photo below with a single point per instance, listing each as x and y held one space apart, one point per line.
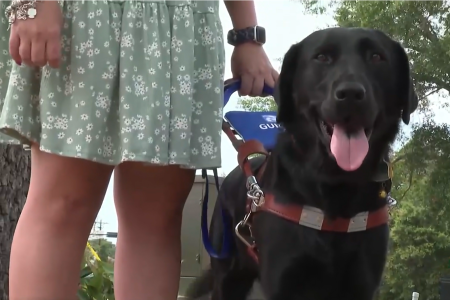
15 166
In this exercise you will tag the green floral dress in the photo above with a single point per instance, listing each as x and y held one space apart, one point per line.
139 81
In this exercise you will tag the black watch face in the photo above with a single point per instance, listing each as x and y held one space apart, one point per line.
260 35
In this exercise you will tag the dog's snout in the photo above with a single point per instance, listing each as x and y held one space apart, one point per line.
350 91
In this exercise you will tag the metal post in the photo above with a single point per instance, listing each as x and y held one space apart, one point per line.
415 296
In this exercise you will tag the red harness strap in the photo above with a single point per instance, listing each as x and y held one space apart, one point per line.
303 215
298 214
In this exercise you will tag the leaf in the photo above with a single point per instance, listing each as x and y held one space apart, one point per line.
96 281
86 271
83 295
108 269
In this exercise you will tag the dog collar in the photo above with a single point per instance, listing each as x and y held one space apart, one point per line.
315 218
307 216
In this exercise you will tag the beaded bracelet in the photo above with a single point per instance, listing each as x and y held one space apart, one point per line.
21 10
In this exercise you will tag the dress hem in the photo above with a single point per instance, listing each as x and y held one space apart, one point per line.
26 141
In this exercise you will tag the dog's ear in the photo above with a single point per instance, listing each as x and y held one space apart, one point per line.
284 92
407 93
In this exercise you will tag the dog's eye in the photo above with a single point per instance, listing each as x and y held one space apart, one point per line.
323 58
375 58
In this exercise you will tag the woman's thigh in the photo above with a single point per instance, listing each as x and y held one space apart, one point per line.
65 190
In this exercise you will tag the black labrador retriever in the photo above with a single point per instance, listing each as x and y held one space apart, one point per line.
342 93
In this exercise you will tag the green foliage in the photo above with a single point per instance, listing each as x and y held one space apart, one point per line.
318 7
96 278
420 236
258 103
104 248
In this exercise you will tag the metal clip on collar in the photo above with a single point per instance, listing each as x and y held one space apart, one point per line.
248 242
256 195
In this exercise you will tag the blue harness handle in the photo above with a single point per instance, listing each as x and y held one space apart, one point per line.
233 86
229 89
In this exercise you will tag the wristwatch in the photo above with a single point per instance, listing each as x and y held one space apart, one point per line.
256 34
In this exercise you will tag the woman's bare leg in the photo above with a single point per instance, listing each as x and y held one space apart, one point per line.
63 201
149 203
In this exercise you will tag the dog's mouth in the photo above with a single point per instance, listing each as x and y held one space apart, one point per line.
348 145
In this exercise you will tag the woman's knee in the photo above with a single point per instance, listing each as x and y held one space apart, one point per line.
65 190
154 194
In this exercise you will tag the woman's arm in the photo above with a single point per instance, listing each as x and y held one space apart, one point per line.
242 13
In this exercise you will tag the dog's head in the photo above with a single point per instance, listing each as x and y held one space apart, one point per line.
342 93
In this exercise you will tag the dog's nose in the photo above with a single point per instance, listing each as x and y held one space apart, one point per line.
350 91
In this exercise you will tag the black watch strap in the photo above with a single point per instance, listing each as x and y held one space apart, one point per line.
256 34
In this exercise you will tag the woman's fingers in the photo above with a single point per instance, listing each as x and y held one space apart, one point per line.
14 44
53 52
25 51
258 85
246 85
36 41
271 77
38 58
275 75
36 53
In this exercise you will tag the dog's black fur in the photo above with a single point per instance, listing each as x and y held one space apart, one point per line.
297 262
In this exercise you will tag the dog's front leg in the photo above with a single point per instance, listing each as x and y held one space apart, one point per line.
234 285
273 279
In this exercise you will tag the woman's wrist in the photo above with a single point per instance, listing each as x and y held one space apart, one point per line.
242 13
26 9
20 10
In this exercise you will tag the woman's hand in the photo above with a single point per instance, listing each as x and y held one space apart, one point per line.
36 42
250 63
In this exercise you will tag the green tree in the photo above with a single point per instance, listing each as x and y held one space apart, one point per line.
420 236
104 248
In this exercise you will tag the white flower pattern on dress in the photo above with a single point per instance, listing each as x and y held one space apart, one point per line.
139 81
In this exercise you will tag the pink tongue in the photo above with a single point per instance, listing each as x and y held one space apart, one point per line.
349 151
